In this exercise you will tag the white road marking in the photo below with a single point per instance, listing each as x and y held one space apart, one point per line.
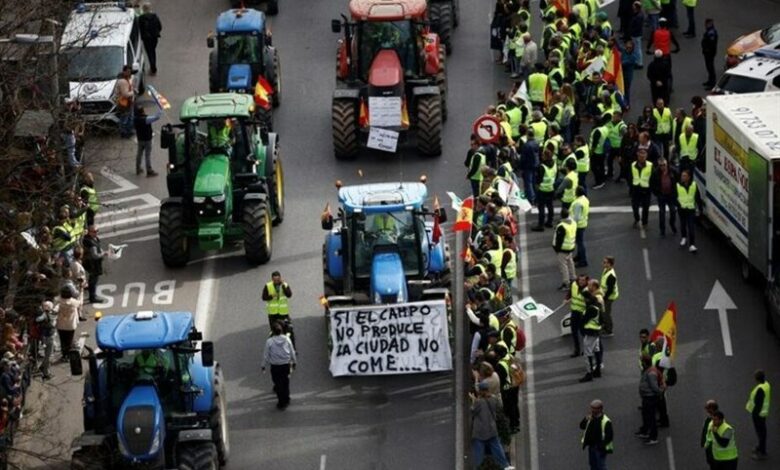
670 451
719 300
124 185
132 220
323 461
651 301
119 205
139 228
203 308
646 256
525 288
642 233
154 236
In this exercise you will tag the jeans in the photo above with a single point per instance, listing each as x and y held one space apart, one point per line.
544 202
691 21
640 199
475 187
652 20
613 154
664 202
582 180
687 225
628 78
144 150
66 341
126 128
280 375
92 283
582 254
528 185
496 451
510 400
597 167
759 424
637 53
597 458
649 424
606 317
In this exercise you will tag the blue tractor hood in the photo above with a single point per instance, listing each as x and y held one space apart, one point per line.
387 278
140 424
239 77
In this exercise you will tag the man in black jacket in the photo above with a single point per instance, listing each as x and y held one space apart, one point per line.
710 407
709 47
93 262
150 27
659 73
597 435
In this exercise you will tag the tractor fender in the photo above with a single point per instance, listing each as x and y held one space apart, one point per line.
270 150
425 90
268 64
346 94
436 261
255 197
334 261
203 378
195 435
88 439
172 201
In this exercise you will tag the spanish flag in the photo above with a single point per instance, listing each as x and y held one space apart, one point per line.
465 215
263 92
667 329
613 72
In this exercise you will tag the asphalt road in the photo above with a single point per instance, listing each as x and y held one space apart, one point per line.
407 421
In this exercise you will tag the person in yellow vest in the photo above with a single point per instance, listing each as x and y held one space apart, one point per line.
539 125
688 145
758 407
576 303
609 284
688 200
663 126
597 436
538 82
580 210
722 440
710 407
591 330
690 6
510 395
599 136
475 160
276 295
582 152
679 123
151 364
545 191
567 188
62 235
641 171
90 197
564 242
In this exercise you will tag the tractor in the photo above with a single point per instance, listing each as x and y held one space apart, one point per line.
153 396
390 74
225 180
243 60
381 248
271 6
445 16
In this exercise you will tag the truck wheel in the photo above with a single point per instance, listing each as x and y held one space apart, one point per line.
272 7
219 424
345 129
265 117
214 84
429 125
445 26
277 96
257 231
198 456
174 244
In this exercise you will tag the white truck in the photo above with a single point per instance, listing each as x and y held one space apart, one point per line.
740 183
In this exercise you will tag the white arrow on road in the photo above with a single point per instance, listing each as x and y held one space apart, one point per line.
719 300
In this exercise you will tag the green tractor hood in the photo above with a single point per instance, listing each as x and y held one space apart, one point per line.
213 180
213 176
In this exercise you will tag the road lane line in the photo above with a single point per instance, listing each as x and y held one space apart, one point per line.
525 288
646 256
642 233
124 185
205 297
670 451
725 332
113 224
651 301
323 461
136 229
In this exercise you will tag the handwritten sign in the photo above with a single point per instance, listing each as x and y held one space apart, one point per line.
384 111
382 139
390 339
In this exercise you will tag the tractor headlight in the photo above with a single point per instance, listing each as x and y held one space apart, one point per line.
218 199
198 199
377 298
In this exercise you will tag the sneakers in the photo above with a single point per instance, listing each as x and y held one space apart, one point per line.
599 186
651 442
642 435
151 172
563 286
683 241
597 373
692 249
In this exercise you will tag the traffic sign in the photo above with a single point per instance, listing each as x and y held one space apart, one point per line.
487 129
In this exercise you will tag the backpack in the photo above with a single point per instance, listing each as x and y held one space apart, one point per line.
519 339
671 376
516 373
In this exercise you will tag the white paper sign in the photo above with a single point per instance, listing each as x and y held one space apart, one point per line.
382 139
384 111
596 66
528 307
456 201
390 339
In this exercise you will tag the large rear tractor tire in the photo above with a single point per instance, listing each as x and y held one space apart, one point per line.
446 25
441 82
429 119
277 96
174 244
275 175
214 84
198 456
257 231
219 425
272 7
345 129
265 117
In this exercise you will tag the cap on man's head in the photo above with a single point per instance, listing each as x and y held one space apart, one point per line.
662 20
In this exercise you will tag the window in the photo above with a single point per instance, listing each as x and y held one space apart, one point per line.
94 63
776 82
240 49
741 84
771 34
397 35
375 230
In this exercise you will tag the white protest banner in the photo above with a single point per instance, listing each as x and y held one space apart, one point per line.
456 201
596 66
382 139
522 93
390 339
115 251
527 307
384 111
566 325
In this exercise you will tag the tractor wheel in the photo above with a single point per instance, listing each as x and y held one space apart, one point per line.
445 25
257 231
272 7
174 244
434 16
441 82
345 129
219 425
455 13
265 117
214 84
198 456
277 96
429 119
275 178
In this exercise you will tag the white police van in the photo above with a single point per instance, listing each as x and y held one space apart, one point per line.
759 73
98 40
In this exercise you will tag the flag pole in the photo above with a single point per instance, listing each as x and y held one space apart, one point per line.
462 369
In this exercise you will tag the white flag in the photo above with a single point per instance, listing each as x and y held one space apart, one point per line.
528 307
456 201
115 251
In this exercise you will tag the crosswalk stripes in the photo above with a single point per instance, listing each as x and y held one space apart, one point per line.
125 212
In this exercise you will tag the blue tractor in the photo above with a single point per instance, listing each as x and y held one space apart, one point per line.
380 248
153 398
244 60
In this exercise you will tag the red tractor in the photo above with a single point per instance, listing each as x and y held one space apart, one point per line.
389 75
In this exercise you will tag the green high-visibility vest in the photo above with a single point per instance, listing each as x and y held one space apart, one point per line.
583 159
59 244
593 8
559 114
540 130
556 78
495 259
577 303
687 121
512 346
764 412
555 142
720 454
219 138
482 162
689 147
383 223
615 292
537 86
278 304
511 265
507 171
92 198
570 193
641 178
594 323
663 121
568 157
515 118
505 365
548 179
604 420
598 147
79 225
584 203
687 196
689 3
570 233
616 133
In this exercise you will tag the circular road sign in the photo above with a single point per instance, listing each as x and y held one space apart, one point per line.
487 128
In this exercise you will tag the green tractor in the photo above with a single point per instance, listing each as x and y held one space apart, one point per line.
225 180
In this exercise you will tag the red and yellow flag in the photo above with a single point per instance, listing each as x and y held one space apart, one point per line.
263 92
613 71
437 233
363 116
465 215
667 329
563 5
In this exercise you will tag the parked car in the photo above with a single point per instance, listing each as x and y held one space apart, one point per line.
748 43
756 74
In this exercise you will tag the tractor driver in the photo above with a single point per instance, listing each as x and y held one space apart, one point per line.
384 227
220 137
151 364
